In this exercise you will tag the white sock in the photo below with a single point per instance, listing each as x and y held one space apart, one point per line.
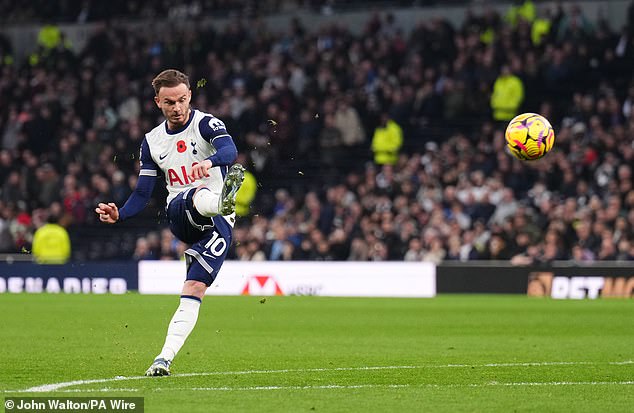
206 202
181 325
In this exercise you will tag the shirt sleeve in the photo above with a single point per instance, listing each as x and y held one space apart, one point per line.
214 131
139 198
148 166
141 195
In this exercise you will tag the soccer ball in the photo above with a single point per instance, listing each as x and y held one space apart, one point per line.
529 136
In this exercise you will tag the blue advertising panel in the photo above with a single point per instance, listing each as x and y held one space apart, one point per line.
76 278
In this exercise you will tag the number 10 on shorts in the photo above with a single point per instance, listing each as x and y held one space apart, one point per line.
216 245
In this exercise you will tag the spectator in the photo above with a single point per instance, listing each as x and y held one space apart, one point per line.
142 250
51 243
507 96
387 141
348 123
330 142
496 249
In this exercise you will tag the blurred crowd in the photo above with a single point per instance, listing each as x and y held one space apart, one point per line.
306 105
82 11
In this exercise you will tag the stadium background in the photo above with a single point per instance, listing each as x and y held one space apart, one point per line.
76 101
303 88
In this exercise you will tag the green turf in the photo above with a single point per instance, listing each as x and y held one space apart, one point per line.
450 353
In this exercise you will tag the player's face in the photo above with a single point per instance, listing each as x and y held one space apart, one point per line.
174 103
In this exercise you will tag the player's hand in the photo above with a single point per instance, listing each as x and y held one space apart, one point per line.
108 213
199 171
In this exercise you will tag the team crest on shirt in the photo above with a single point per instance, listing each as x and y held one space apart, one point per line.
194 151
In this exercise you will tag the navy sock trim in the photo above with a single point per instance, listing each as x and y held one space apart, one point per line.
192 297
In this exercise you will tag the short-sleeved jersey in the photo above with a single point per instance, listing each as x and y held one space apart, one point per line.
176 152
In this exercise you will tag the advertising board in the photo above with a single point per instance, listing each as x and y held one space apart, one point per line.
334 279
86 278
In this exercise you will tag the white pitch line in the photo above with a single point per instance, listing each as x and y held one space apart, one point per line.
56 386
559 383
362 386
62 385
397 386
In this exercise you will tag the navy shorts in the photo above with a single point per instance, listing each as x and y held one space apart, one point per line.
210 238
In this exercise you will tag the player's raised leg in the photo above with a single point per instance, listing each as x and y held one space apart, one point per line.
209 203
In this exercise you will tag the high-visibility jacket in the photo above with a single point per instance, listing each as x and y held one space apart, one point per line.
51 244
526 11
246 194
540 28
386 143
508 94
488 36
49 36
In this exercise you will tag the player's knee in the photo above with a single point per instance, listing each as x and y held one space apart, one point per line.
195 288
206 202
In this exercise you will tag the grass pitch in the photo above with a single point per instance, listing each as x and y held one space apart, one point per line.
450 353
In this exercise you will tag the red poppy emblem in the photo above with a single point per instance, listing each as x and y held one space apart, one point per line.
181 146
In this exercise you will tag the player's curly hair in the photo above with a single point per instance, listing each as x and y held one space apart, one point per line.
169 78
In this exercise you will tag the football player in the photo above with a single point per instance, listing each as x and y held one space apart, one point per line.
195 153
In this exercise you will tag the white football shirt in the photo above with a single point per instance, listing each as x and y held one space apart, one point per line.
176 152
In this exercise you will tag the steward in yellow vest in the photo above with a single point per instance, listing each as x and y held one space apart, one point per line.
387 141
507 96
51 244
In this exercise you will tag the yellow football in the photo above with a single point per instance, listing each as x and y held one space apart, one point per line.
529 136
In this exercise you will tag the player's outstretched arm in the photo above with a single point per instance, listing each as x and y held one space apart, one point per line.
108 213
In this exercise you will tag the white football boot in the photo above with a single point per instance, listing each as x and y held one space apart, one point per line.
160 367
231 185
